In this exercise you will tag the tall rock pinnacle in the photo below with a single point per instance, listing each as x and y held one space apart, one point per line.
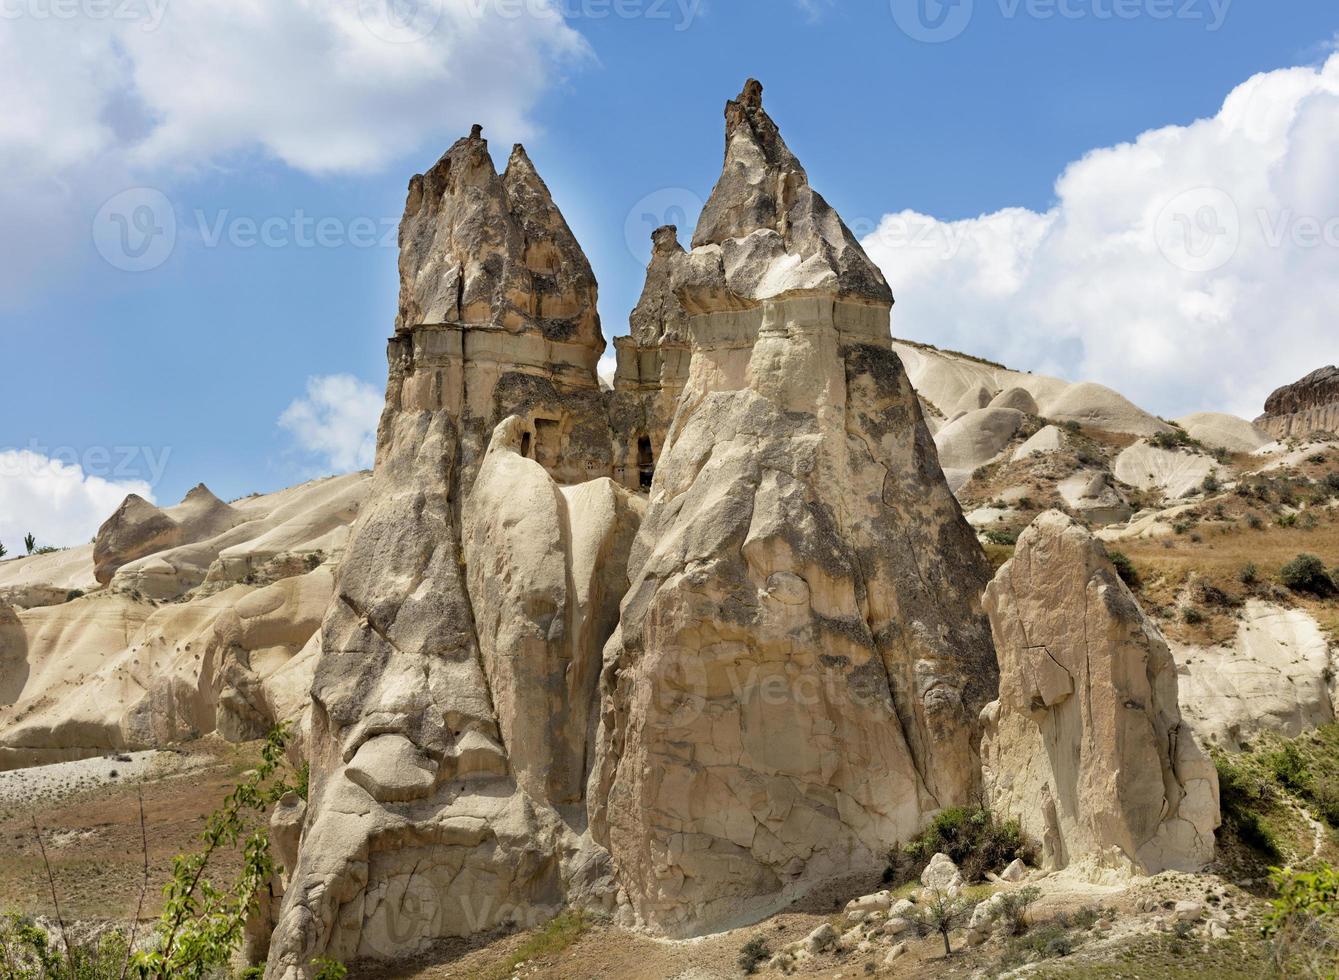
802 655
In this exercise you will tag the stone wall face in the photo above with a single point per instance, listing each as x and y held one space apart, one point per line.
1309 405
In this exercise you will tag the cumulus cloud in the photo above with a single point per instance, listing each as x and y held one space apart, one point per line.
335 423
1190 269
140 90
55 500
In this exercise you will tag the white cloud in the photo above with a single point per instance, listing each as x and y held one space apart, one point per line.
54 500
1193 268
336 422
139 91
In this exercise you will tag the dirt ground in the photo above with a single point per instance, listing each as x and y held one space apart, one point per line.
92 836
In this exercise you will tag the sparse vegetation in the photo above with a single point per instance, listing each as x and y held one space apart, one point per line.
29 542
753 954
1306 573
1302 924
1125 569
971 836
561 932
200 926
942 913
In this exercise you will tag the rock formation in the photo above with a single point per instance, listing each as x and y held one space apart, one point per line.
454 694
652 367
1086 746
228 649
801 654
138 528
1306 406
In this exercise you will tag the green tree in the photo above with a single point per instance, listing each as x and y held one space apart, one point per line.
941 913
30 542
3 550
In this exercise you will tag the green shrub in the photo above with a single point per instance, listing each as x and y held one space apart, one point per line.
1191 616
1125 569
1306 573
1044 942
1250 574
753 955
1242 796
971 836
1290 769
1006 538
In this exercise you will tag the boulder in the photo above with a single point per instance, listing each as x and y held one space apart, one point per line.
975 439
1019 399
1088 723
941 874
791 688
1090 494
1047 439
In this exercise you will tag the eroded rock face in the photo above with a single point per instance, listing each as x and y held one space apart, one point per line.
138 528
452 700
1086 746
498 313
801 653
652 367
1306 406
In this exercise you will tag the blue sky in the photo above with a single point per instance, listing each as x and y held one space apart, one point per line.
182 372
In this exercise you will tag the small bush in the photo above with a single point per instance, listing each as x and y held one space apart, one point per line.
1125 569
1250 574
1306 573
1211 484
1014 906
753 954
1006 538
971 836
1191 616
1041 943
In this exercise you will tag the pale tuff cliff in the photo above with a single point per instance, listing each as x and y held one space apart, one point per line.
453 697
1086 747
473 762
802 653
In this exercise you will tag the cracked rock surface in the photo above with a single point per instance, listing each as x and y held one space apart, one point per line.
1086 747
802 654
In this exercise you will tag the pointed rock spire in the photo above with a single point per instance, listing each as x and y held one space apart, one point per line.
481 249
764 215
659 315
